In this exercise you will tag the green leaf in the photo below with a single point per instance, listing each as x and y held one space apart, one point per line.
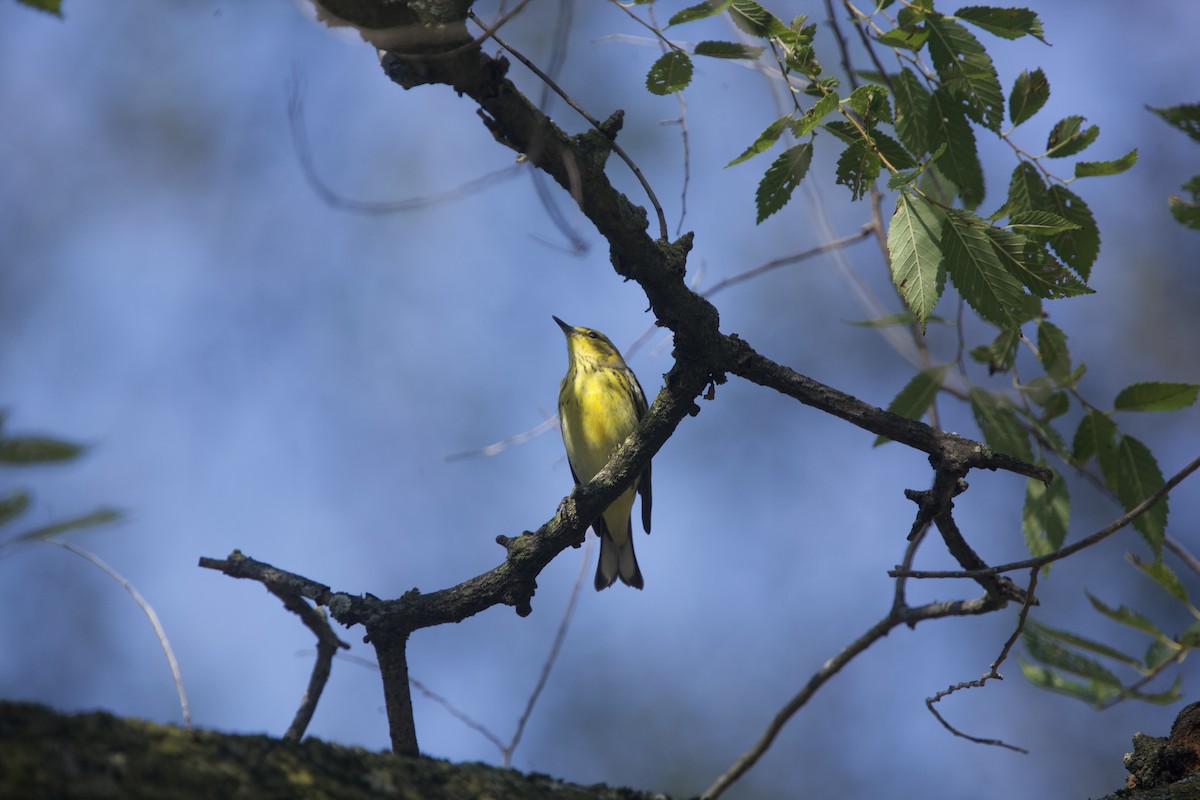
912 111
1067 138
1126 617
899 318
1083 643
1052 351
13 505
916 397
1186 212
765 141
1185 117
975 269
871 104
727 50
1159 653
857 168
1138 477
37 449
49 6
960 162
966 71
910 38
1030 92
1091 693
1162 575
1093 169
1097 436
1026 189
98 517
1046 515
1000 354
1190 638
1000 427
1007 23
1045 650
698 11
914 236
892 150
1041 224
670 73
782 177
1156 396
1079 248
812 118
1169 697
753 18
1035 268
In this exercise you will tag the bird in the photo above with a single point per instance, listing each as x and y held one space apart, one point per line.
599 404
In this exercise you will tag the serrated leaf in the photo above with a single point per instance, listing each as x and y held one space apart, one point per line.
1068 137
1030 92
1040 224
812 118
765 141
1053 352
1007 23
1091 693
1159 653
1097 436
1000 427
1026 189
871 104
1126 616
1185 117
1079 248
1047 651
966 71
1046 515
670 73
960 162
1162 575
37 449
1090 645
781 179
912 111
699 11
49 6
1036 269
100 516
13 505
1138 477
916 397
1055 406
1156 396
857 168
1092 169
910 38
915 251
727 50
752 18
888 148
975 269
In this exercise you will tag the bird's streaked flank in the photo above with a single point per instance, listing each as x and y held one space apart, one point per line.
599 405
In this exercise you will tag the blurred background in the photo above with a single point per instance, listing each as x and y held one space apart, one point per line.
254 368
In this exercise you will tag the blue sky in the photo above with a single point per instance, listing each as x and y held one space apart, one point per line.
254 369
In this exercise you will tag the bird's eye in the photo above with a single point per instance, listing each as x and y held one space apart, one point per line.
593 335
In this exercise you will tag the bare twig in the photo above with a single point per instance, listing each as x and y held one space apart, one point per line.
148 610
1032 563
637 172
992 673
327 645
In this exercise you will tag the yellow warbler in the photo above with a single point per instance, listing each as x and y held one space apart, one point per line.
599 405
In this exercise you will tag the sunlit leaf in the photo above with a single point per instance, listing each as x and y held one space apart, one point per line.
698 11
975 269
1092 169
916 258
1007 23
857 168
1068 137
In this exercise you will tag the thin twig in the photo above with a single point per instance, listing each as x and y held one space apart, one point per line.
595 123
992 673
148 610
1185 555
1032 563
327 646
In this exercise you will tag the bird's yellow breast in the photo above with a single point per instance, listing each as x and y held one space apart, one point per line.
598 414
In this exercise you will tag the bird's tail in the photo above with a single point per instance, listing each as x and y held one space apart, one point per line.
617 561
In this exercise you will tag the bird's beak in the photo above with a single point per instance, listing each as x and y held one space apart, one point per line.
567 329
